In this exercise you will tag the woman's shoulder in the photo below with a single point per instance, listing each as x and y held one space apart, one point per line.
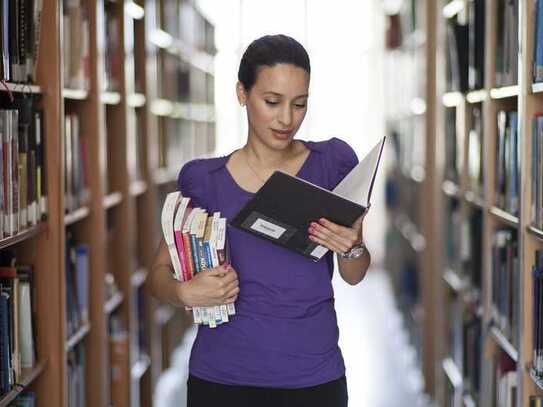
202 166
338 157
194 175
332 147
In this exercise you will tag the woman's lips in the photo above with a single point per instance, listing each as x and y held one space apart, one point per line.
282 134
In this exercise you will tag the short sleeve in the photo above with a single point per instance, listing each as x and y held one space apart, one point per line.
343 159
191 182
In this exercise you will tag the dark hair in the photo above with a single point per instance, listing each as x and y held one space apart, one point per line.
271 50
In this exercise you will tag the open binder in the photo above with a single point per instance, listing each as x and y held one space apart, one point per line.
283 208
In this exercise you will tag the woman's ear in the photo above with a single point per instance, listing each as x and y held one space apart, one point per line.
242 94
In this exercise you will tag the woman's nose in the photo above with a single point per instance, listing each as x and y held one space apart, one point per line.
285 116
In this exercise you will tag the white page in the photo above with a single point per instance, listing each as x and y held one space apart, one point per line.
356 185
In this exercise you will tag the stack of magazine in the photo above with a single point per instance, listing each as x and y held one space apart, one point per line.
196 242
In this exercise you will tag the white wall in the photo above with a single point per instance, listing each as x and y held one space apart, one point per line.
344 39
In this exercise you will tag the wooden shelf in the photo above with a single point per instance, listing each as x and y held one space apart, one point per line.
20 88
113 303
410 232
469 401
452 99
477 96
134 11
138 188
76 216
537 233
537 88
504 216
538 381
136 100
138 278
452 372
504 343
75 94
474 200
165 176
110 98
463 287
140 367
28 376
505 92
451 189
79 336
453 7
454 281
112 199
24 235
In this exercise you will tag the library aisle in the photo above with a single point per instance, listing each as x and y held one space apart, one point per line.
373 341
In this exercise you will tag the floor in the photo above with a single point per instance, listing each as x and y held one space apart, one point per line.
381 369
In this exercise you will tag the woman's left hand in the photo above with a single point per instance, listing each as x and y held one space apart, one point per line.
337 238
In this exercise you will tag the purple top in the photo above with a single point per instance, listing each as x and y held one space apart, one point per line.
284 333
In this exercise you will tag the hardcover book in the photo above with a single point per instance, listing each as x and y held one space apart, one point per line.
284 207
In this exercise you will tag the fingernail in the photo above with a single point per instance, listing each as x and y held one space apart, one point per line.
311 237
226 266
311 229
322 221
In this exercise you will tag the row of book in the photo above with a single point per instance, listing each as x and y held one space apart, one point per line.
463 242
76 45
182 20
537 281
538 43
536 401
113 47
475 153
508 152
536 202
76 379
23 184
119 375
505 273
507 42
76 180
20 23
77 285
179 140
25 399
453 150
17 345
182 82
505 385
196 242
466 49
140 344
465 341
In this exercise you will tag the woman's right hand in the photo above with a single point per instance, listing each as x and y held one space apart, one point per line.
215 286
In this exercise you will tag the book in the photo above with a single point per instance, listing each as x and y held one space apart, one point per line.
196 241
284 207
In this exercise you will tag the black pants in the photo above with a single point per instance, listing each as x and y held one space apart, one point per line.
202 393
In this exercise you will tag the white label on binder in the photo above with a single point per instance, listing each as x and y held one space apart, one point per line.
319 251
268 228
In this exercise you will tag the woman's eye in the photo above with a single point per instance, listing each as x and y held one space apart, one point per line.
300 106
272 102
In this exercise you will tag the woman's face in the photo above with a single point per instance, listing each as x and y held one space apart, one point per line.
276 104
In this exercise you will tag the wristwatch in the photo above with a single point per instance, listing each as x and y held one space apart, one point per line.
356 251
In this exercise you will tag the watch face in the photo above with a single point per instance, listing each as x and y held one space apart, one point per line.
357 252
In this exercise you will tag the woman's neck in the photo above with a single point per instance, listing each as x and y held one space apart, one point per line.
266 157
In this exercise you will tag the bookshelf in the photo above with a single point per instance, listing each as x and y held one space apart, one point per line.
128 113
410 181
485 240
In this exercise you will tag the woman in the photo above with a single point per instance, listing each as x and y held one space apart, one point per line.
281 347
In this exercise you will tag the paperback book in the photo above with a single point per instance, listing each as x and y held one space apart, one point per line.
196 242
